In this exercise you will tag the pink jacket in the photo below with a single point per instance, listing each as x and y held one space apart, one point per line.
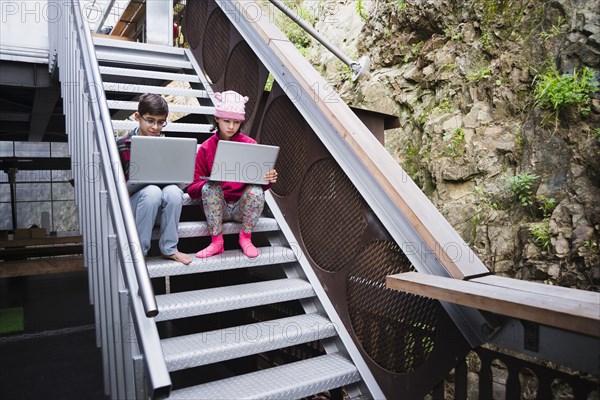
204 161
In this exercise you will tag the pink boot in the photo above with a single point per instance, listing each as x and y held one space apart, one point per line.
216 247
247 246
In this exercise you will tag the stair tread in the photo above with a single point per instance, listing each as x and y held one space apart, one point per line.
208 301
121 44
133 106
290 381
171 127
240 341
229 259
200 228
165 90
147 74
104 55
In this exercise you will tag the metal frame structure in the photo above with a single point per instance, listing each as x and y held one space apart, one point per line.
107 224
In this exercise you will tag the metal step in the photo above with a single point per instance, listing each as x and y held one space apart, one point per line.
226 298
226 344
188 201
172 127
229 259
183 108
142 60
291 381
165 90
200 228
142 73
122 44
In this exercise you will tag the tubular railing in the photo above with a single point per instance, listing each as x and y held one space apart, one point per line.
120 287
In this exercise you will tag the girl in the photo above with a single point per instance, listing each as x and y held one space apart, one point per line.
226 201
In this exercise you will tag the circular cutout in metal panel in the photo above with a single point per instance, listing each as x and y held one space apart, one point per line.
330 216
196 14
215 48
284 126
241 75
397 330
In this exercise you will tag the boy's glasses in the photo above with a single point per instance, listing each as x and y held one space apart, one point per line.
152 121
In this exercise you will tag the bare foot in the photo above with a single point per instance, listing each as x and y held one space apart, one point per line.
179 256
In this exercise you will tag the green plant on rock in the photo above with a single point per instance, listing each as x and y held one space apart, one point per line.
456 138
483 205
596 134
555 91
547 205
541 235
360 9
520 185
400 5
590 245
479 75
298 36
555 30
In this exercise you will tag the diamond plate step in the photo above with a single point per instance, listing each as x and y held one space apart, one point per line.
139 60
144 47
229 259
291 381
240 341
200 228
188 201
142 73
208 301
165 90
172 127
183 108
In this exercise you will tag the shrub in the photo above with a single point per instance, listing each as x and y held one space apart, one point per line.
541 235
520 186
554 91
456 137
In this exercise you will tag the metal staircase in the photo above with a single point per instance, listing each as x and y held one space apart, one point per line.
129 69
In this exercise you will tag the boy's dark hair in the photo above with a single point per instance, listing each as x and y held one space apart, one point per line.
152 104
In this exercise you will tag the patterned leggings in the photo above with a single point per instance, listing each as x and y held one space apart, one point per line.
246 210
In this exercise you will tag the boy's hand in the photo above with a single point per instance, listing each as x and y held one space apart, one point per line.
271 176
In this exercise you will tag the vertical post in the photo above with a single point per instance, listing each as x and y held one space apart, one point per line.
159 22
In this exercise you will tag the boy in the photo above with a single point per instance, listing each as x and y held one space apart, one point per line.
152 202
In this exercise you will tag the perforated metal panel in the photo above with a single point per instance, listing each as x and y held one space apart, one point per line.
330 215
284 126
396 329
196 14
242 58
216 46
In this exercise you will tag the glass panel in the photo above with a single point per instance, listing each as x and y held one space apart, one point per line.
3 176
6 149
5 216
58 149
5 193
31 213
63 191
65 216
61 175
33 149
33 176
33 191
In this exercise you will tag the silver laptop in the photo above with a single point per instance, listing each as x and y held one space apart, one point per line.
242 162
161 161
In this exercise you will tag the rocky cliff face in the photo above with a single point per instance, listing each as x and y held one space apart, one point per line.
520 183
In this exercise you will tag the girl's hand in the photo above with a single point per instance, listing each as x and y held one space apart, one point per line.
271 176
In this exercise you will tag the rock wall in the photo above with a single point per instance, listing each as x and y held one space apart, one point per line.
460 77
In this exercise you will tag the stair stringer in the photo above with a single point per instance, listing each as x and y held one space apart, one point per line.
343 342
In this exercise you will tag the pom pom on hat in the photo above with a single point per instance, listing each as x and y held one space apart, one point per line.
230 105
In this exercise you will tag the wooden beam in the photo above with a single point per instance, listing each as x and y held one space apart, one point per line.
566 310
11 269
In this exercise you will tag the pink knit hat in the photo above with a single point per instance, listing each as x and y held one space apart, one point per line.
230 105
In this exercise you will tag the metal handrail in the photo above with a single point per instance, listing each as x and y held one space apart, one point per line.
111 163
73 47
359 68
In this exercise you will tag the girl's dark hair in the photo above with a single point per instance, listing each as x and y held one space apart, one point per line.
152 104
